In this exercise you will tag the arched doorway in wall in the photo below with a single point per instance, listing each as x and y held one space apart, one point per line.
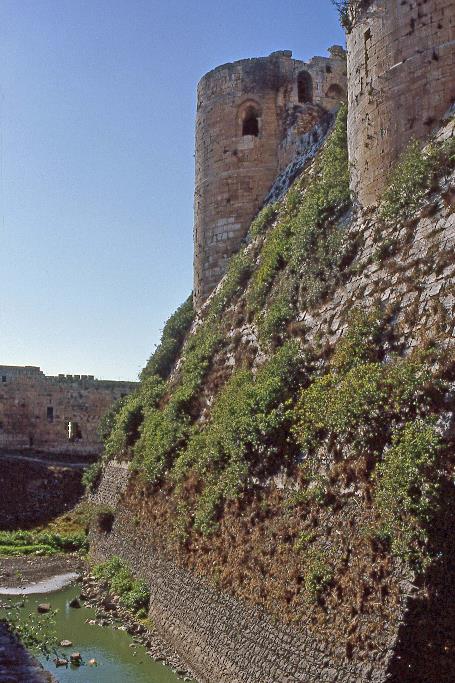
304 87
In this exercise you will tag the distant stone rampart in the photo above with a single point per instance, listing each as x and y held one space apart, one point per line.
54 414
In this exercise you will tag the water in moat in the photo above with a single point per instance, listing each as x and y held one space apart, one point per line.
110 647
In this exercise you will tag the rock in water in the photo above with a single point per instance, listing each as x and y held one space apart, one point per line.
76 603
43 608
65 643
59 661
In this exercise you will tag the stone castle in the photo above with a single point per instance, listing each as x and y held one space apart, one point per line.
54 414
255 117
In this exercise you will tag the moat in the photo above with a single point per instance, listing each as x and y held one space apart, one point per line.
118 657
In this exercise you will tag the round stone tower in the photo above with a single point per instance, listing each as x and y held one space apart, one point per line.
248 114
401 82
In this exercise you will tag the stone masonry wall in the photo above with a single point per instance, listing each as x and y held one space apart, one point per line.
234 169
411 271
35 410
221 639
401 81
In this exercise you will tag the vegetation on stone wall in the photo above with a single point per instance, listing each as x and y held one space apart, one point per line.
360 415
363 405
175 330
414 176
246 433
407 488
348 11
134 593
306 241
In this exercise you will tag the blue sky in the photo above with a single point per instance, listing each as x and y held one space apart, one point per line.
97 107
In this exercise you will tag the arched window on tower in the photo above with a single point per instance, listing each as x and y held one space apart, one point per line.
250 124
305 87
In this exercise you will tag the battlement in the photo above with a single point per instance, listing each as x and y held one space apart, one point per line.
16 372
251 116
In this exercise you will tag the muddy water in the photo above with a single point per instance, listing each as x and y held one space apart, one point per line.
117 661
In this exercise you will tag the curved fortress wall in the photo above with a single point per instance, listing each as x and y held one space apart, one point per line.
250 115
401 82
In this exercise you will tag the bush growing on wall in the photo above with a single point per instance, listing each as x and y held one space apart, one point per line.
249 421
175 330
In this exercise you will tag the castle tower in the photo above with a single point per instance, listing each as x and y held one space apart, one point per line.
249 116
401 81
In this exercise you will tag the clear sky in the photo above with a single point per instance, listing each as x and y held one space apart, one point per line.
97 107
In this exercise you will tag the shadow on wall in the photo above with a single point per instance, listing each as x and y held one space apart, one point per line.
426 645
34 493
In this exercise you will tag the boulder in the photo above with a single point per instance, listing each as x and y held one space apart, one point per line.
43 608
60 661
76 658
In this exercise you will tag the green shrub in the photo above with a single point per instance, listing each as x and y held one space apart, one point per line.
262 221
127 427
318 574
137 597
108 420
248 420
239 269
361 341
175 330
279 312
133 593
274 255
165 430
407 487
92 476
358 407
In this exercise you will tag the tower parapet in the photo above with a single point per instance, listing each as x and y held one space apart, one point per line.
401 81
250 117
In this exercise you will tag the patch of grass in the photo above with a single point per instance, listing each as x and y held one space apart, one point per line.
17 543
